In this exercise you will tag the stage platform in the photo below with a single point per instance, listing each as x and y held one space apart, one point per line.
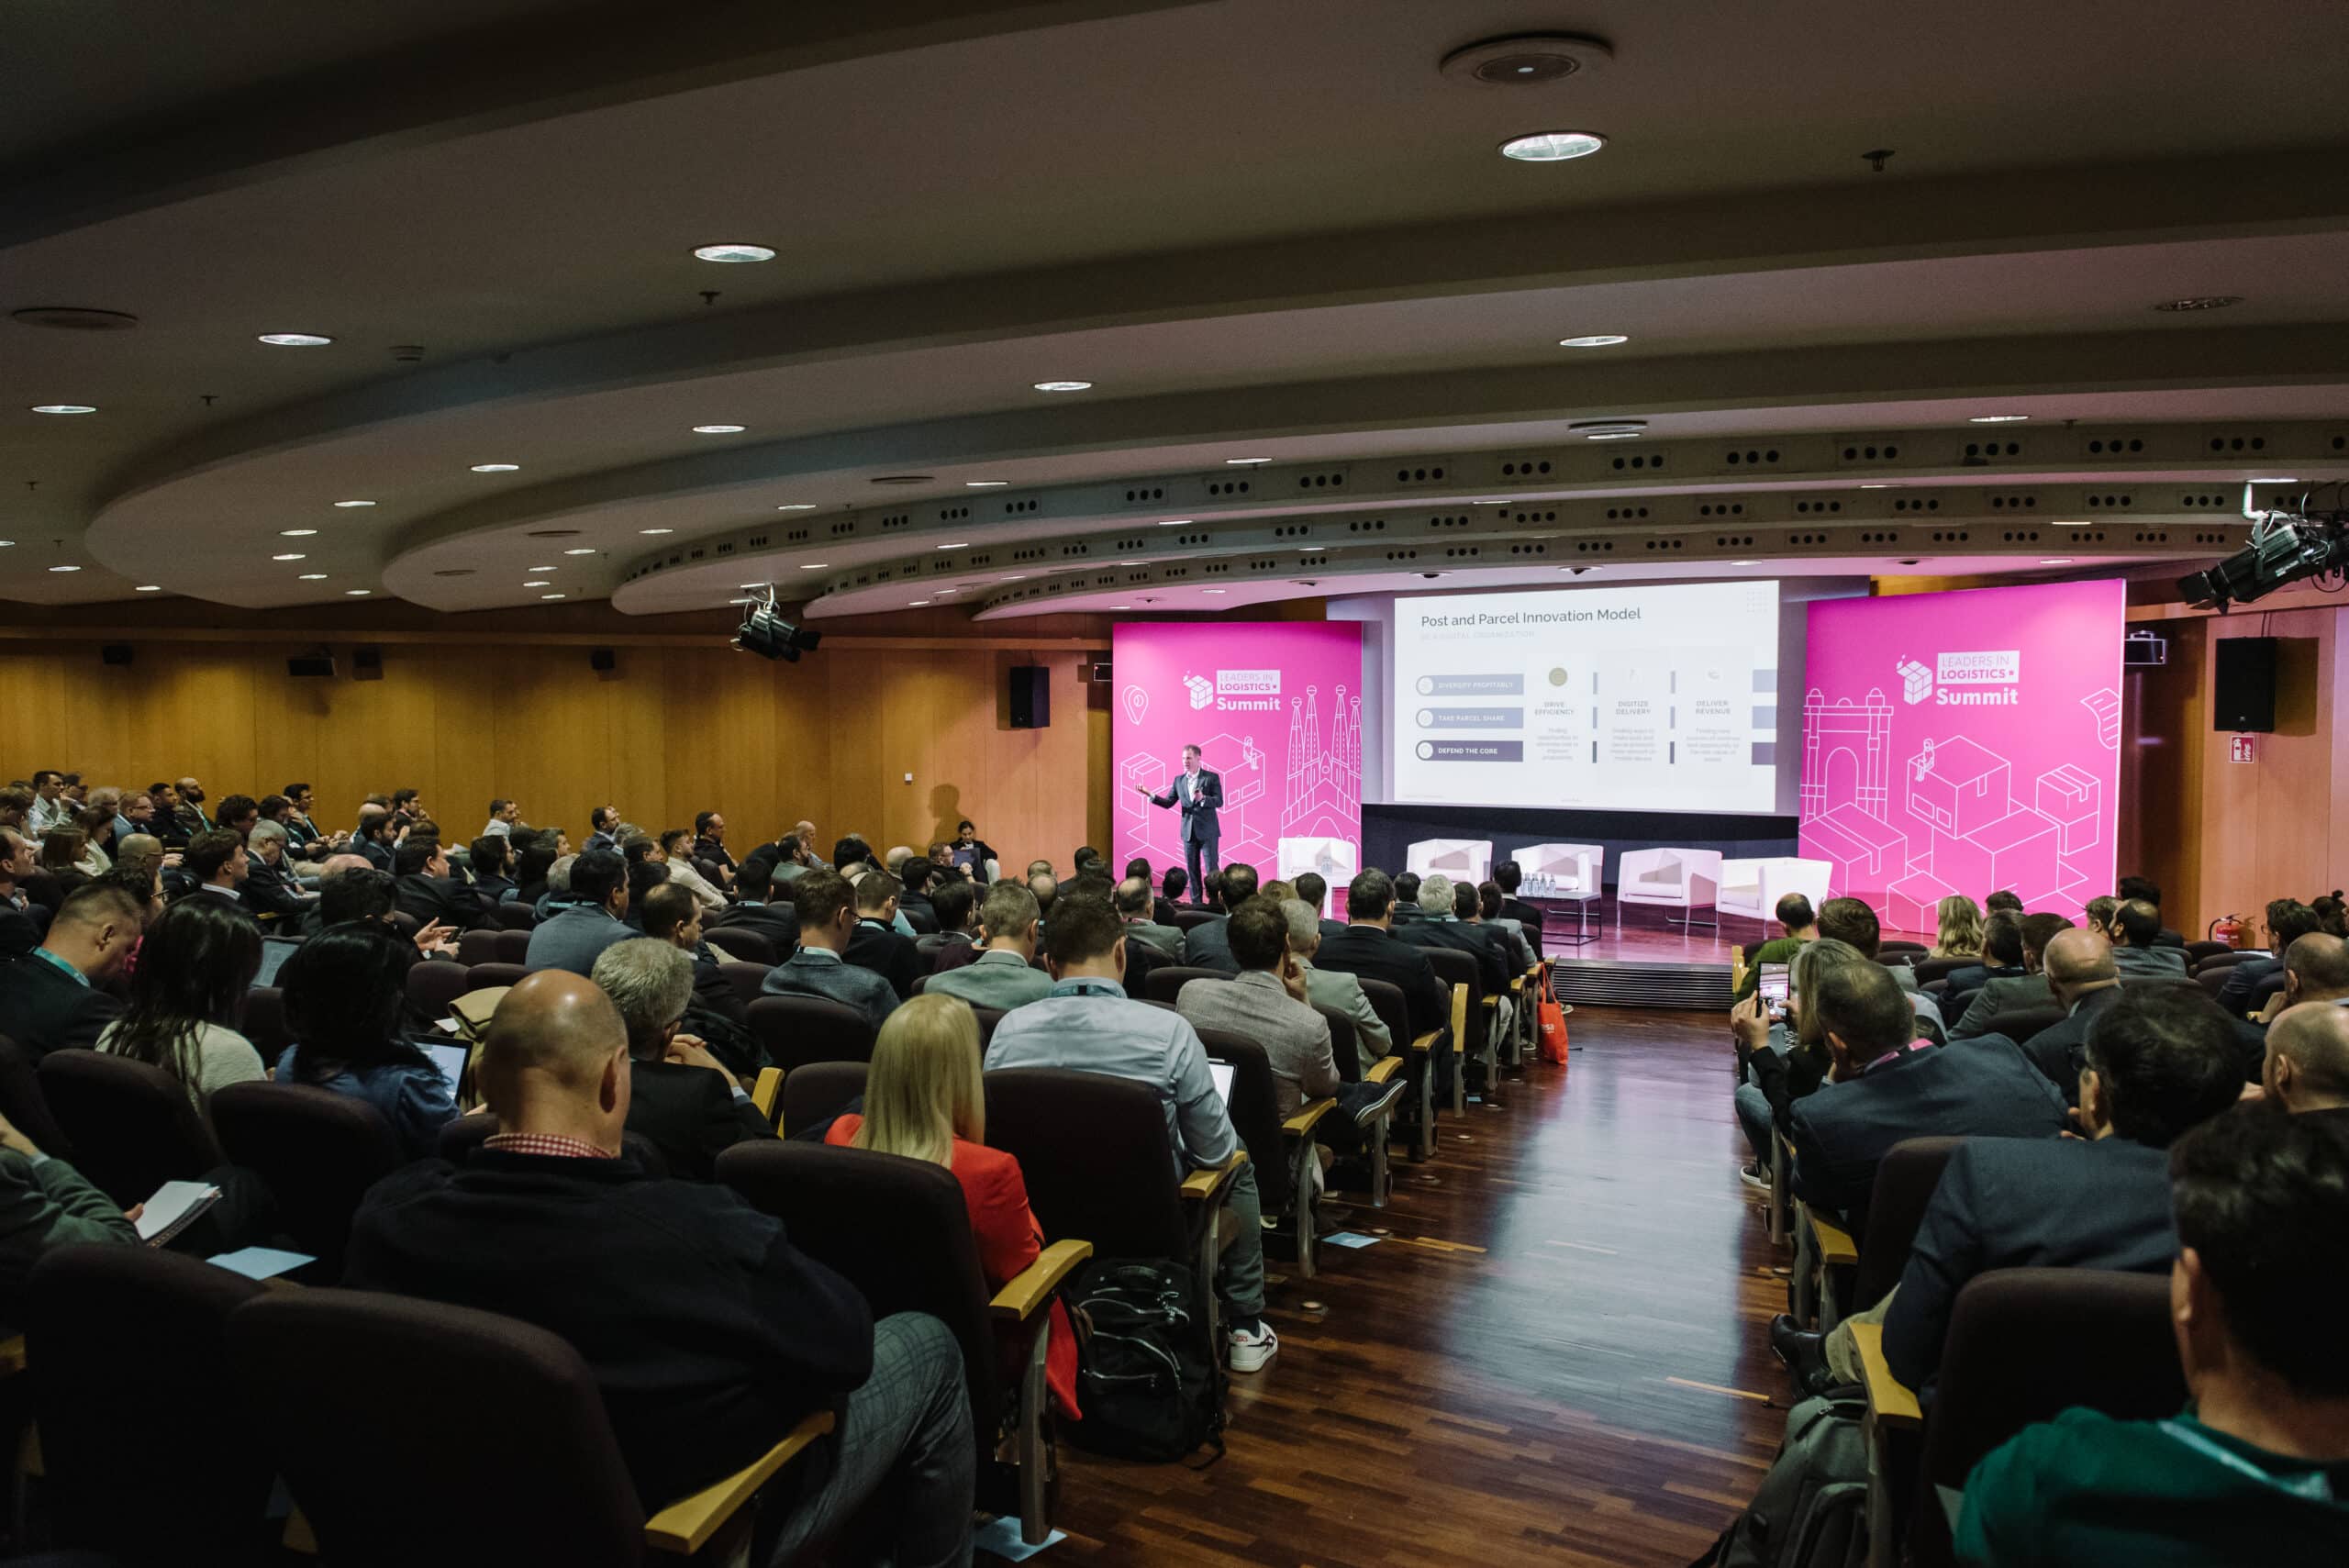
1645 963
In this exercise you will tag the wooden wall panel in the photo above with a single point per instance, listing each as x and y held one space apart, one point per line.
673 730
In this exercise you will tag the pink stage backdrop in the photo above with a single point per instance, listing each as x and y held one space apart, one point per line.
1965 742
1277 709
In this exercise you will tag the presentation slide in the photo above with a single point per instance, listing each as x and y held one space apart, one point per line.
1658 698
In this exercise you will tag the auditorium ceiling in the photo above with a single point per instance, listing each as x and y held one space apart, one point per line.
1320 314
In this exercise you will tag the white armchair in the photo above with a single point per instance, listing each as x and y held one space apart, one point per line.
1460 858
1752 888
1571 868
1672 879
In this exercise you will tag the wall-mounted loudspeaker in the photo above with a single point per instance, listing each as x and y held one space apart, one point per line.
602 661
116 653
1032 697
367 664
2243 701
315 666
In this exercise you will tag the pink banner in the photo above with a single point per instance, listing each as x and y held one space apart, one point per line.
1965 742
1275 708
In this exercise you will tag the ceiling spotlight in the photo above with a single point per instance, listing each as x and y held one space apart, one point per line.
737 584
770 636
7 543
797 507
312 577
1311 548
346 505
958 544
1593 340
1998 419
1745 563
290 555
735 254
2284 479
357 593
549 595
583 549
539 569
65 407
1246 462
65 569
1876 487
538 583
1122 607
149 588
295 339
1614 435
2057 561
296 533
916 604
2200 302
719 429
1016 577
816 566
495 467
1173 522
984 484
1212 590
1551 146
1064 386
656 530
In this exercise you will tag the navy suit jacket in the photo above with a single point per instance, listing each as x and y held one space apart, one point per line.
2013 1203
2055 1050
1367 952
1983 1086
1200 819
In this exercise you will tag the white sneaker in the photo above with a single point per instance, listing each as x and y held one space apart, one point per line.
1251 1352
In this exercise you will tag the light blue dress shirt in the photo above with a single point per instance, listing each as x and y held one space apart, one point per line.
1091 1026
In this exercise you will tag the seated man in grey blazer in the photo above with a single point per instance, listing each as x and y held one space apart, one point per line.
2137 949
1136 906
1001 977
2009 993
1335 989
827 907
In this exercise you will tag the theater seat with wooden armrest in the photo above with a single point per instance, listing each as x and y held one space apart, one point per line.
1889 1432
740 944
1281 1149
818 1092
1836 1256
353 1392
1342 1134
317 1152
1905 1180
1458 972
1413 1054
899 1231
767 1093
796 1031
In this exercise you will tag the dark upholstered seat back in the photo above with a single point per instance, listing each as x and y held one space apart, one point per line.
132 1126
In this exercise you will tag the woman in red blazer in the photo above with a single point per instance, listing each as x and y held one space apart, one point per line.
923 1100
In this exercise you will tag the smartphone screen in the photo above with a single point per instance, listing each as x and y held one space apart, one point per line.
1772 988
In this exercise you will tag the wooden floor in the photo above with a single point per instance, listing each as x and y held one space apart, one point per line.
1556 1356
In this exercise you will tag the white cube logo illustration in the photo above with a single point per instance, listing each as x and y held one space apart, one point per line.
1916 681
1202 690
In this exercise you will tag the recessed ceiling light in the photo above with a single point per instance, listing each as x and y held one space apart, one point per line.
65 569
1173 522
1998 419
538 583
916 604
1551 146
1876 486
735 254
495 467
1614 435
295 339
290 555
149 588
1122 607
656 530
958 544
1016 577
349 503
1745 563
583 549
1593 340
737 584
1064 386
7 543
539 569
296 533
1211 590
312 577
816 566
2281 479
984 484
357 593
65 407
1311 548
797 507
2057 561
719 429
549 595
1247 462
2200 302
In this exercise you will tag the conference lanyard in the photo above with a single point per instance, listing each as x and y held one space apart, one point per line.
2315 1486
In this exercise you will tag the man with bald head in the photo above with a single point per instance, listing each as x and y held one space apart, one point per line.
710 1336
2079 969
2307 1067
2316 969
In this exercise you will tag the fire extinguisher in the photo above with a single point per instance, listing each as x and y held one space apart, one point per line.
2230 930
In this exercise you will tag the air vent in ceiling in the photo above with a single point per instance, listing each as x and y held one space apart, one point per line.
1526 59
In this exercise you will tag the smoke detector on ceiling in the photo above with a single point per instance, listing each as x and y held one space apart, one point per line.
1526 59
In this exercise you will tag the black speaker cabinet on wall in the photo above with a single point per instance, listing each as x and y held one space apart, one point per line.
1032 697
2242 700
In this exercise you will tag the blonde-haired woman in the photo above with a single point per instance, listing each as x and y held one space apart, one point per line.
1960 936
923 1101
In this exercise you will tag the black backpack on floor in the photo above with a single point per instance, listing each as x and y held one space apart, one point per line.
1148 1379
1811 1511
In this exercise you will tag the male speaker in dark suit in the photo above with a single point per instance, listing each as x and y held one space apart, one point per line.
1200 793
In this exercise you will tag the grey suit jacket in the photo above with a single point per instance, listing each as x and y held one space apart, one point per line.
995 979
1343 992
2003 995
1167 939
575 938
2150 963
1208 945
819 972
1257 1006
